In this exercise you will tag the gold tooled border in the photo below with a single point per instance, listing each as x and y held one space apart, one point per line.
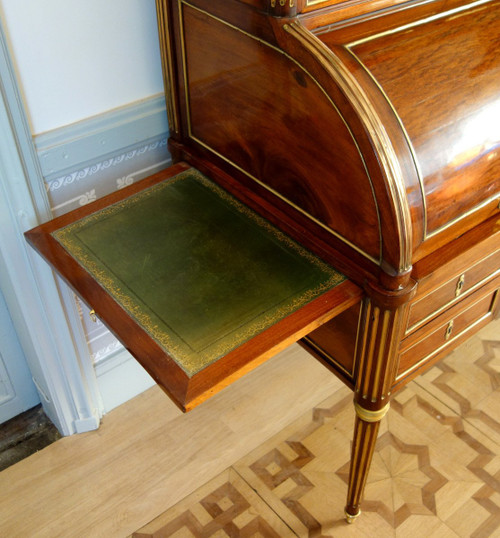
193 363
276 193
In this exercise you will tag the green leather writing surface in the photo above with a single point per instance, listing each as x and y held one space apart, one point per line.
199 271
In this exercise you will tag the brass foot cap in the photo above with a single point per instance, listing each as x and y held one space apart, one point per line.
350 518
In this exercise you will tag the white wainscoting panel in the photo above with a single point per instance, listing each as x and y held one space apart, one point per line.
138 135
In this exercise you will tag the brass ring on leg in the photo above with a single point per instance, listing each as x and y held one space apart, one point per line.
366 415
351 518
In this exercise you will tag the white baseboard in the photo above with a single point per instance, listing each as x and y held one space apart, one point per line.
87 142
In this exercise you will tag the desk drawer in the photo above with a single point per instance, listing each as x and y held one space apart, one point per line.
461 284
447 330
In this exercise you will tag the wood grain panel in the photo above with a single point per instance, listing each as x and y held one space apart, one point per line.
277 132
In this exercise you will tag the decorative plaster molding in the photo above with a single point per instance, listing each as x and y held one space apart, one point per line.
88 171
106 352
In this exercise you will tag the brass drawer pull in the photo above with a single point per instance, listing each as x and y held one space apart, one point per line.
460 285
93 316
449 331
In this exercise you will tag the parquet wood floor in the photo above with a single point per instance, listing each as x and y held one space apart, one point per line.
268 458
436 470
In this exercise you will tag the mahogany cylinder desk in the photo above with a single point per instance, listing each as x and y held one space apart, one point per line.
337 182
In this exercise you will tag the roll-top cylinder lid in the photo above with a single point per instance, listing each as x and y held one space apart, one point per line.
438 74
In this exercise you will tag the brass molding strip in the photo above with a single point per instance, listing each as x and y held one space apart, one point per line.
206 146
468 213
361 345
372 316
425 20
366 415
361 454
299 209
164 35
377 389
184 66
359 100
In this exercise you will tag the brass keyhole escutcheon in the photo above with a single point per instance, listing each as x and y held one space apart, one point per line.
93 316
460 285
449 330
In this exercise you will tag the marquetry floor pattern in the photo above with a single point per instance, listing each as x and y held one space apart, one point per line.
436 470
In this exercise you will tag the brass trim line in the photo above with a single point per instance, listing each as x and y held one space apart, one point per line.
206 146
360 356
413 24
377 383
366 415
468 213
411 149
164 35
360 454
373 315
281 197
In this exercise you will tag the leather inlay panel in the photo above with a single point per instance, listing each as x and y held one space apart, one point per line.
198 270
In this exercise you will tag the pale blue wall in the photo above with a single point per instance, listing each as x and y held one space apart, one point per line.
76 59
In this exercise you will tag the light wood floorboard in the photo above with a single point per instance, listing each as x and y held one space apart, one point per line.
147 455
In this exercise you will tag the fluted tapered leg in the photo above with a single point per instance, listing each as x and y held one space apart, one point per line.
364 440
376 366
